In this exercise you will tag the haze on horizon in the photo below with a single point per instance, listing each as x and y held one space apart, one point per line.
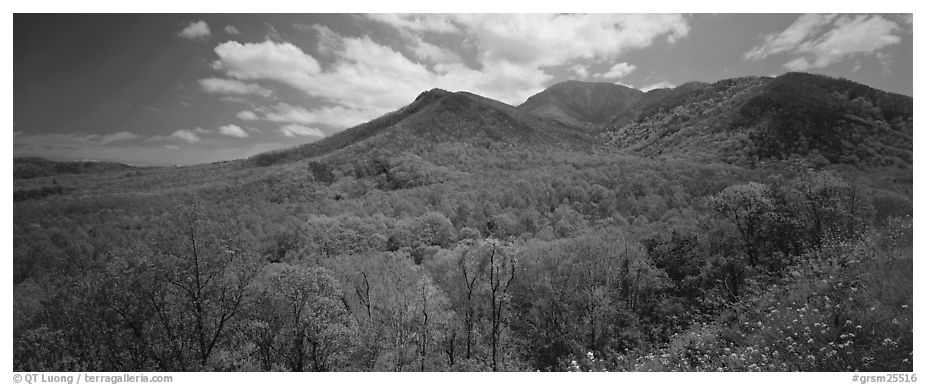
186 89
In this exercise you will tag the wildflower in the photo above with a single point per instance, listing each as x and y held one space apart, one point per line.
810 341
904 306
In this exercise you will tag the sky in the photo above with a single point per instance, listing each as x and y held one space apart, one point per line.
165 89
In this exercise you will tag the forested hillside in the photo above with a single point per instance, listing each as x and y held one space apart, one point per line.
463 234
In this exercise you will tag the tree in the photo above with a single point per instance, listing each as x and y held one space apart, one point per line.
314 324
502 268
745 205
830 205
206 276
322 172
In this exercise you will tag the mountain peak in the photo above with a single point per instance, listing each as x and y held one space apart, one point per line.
432 94
579 103
572 83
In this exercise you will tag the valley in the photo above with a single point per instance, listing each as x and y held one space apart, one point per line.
751 224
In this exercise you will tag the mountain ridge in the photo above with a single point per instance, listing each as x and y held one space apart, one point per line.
738 120
582 103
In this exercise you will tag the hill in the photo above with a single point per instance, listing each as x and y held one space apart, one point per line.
439 116
795 115
582 103
33 167
742 121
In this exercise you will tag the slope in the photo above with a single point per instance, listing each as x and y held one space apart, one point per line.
582 103
795 115
439 116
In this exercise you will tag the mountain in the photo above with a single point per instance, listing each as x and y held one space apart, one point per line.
439 116
795 115
33 167
582 103
741 121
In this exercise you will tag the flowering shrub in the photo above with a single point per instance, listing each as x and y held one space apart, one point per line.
846 306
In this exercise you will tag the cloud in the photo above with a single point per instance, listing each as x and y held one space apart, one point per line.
78 138
800 30
580 70
281 62
657 85
545 39
427 51
233 130
118 137
247 115
818 41
364 78
232 87
187 135
617 71
196 30
417 22
231 30
337 116
292 130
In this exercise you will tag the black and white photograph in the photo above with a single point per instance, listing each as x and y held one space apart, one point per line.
461 192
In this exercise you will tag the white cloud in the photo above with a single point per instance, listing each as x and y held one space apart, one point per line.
852 36
546 39
298 130
417 22
657 85
804 27
427 51
231 30
247 115
232 87
118 137
798 64
186 135
281 62
845 37
617 71
75 138
580 70
366 79
337 116
196 30
233 130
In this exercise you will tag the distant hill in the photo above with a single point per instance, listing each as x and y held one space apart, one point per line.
439 116
741 120
795 115
34 167
582 103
